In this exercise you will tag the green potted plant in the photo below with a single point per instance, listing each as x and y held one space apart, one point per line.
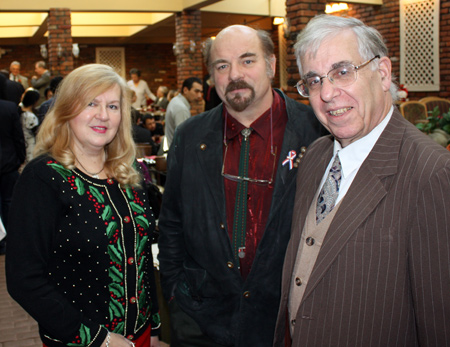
437 126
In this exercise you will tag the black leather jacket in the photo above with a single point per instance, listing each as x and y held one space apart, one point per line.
196 256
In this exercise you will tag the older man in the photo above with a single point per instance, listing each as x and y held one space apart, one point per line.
368 260
228 199
15 75
41 80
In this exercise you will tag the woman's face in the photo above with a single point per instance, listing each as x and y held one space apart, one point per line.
134 77
97 125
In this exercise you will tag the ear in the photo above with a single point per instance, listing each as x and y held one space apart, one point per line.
273 64
385 70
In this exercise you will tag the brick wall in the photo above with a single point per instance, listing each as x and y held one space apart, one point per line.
189 56
299 14
59 37
156 61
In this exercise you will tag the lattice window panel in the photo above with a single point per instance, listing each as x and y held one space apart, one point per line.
419 45
112 56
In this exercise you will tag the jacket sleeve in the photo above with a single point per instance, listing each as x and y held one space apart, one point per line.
171 239
41 81
19 140
33 223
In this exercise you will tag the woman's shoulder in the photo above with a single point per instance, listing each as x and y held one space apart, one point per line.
44 165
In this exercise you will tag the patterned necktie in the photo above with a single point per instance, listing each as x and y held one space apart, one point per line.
240 207
330 191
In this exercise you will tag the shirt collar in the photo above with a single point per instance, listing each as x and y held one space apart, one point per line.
184 100
261 126
353 155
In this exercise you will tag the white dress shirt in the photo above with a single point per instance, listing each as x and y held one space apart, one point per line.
353 155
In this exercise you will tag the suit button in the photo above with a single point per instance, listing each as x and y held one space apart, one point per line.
298 281
133 300
202 146
310 241
230 265
130 337
246 294
131 261
222 226
293 322
127 219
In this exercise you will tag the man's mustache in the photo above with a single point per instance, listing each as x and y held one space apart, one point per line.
237 85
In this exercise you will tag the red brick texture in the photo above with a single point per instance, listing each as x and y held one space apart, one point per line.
60 33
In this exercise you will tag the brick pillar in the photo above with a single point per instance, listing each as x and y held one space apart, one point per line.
299 12
59 32
188 29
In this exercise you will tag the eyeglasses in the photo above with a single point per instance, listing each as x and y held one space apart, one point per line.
273 153
341 76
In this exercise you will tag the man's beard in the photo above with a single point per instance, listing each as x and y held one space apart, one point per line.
239 103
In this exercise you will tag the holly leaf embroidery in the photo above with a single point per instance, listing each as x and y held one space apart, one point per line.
112 226
107 213
61 170
84 336
119 328
142 244
80 186
97 194
136 207
115 254
115 274
117 289
142 221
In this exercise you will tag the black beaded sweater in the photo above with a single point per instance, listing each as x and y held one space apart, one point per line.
79 255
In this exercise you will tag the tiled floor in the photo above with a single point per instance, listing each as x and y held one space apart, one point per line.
17 328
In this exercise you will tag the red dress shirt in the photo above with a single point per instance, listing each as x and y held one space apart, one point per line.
261 166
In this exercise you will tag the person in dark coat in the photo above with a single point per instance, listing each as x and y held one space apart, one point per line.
221 265
12 152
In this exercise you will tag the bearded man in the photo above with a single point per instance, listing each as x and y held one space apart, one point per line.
227 206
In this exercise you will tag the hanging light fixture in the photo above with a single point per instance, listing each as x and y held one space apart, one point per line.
75 50
44 52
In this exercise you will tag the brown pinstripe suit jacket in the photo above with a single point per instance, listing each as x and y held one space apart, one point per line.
382 277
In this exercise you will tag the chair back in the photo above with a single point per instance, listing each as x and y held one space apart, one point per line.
414 111
432 101
143 150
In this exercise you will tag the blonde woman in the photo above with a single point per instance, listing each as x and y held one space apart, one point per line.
79 255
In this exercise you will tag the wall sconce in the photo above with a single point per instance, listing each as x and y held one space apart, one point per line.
191 46
336 7
44 52
59 51
75 50
179 49
176 49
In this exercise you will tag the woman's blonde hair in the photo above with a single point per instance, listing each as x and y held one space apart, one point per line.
73 95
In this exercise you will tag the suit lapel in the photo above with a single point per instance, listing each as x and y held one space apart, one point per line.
366 192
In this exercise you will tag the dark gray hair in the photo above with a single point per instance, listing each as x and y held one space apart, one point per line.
321 27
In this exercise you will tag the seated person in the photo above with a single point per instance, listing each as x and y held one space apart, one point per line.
140 134
155 128
161 101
